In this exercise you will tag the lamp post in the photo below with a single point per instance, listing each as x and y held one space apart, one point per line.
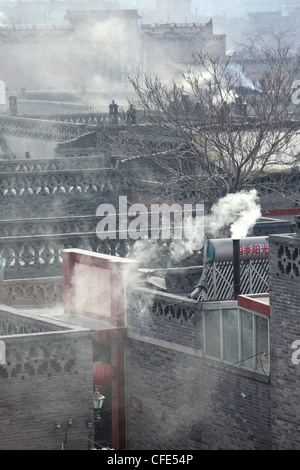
98 400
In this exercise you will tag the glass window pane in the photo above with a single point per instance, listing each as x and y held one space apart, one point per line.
247 338
212 326
230 328
262 361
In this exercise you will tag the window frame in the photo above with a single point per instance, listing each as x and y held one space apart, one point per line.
225 305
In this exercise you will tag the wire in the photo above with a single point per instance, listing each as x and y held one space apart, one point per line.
214 371
161 390
41 439
89 440
201 376
262 366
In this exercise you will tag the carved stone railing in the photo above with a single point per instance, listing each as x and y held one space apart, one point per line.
12 323
88 143
57 193
35 357
49 109
163 305
39 256
46 291
174 308
93 180
48 226
37 347
55 164
87 118
40 129
149 309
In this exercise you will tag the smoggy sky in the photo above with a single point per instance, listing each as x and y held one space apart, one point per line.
230 8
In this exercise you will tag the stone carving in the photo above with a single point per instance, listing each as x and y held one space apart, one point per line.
37 358
40 256
32 291
65 181
288 261
40 129
55 164
40 353
175 311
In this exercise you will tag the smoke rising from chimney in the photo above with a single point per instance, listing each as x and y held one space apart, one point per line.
238 211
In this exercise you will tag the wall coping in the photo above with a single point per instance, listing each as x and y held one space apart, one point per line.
258 303
287 238
54 326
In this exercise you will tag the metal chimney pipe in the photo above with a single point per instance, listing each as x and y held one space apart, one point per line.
236 268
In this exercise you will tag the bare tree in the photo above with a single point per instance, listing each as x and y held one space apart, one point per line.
212 131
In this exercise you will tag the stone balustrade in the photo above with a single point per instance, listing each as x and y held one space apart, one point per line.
89 119
40 129
46 345
21 324
150 311
47 291
47 226
39 256
55 164
57 182
37 356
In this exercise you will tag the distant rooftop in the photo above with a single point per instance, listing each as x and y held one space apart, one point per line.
83 15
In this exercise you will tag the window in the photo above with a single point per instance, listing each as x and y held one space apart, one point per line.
247 338
230 335
262 342
237 336
213 333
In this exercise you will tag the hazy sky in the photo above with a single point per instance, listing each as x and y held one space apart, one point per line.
230 8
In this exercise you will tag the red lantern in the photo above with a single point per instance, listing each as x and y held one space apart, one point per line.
102 373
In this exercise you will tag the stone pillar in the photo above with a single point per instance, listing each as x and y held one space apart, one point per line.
113 113
131 115
13 106
95 287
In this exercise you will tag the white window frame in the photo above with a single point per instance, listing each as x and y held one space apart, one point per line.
225 305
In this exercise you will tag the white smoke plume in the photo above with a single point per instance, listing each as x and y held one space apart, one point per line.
244 81
171 251
238 211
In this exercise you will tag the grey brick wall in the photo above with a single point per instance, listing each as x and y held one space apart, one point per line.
285 329
32 401
178 399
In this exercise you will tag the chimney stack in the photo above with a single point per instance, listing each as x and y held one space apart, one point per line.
236 268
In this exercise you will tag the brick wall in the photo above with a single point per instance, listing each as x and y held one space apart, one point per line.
178 399
47 379
285 329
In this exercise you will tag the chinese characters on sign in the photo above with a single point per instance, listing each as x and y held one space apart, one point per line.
247 250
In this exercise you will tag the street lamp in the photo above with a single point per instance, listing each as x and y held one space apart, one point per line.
98 400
